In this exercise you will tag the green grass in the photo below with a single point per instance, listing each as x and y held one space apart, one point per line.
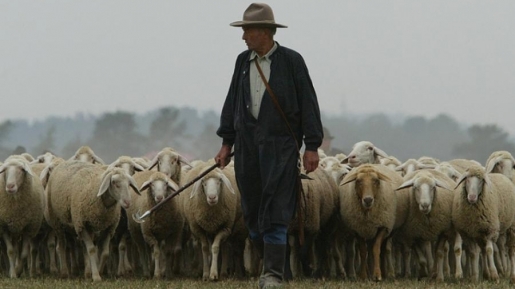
55 283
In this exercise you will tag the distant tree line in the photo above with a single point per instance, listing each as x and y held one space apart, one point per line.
193 134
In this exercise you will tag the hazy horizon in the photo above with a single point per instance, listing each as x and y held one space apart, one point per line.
60 58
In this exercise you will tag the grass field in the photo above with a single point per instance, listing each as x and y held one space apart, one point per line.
54 283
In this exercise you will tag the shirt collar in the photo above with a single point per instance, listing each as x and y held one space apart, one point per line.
253 54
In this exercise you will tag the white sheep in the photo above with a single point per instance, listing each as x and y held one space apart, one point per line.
85 199
317 213
449 170
210 207
168 161
412 165
501 162
334 168
164 226
428 161
364 152
369 207
391 162
484 209
131 166
461 165
21 212
86 154
430 213
45 158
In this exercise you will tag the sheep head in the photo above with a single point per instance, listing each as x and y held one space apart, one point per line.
128 164
447 169
168 161
335 168
211 185
501 162
159 187
86 154
14 170
116 182
367 184
364 152
423 187
475 179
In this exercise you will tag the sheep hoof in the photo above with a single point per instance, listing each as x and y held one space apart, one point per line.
213 277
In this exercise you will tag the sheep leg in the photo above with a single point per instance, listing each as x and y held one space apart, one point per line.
363 252
447 266
502 260
406 252
377 253
389 259
104 255
458 244
422 261
64 272
215 251
474 251
489 248
123 263
33 258
440 258
92 251
11 253
337 257
512 260
156 255
20 261
51 245
350 256
205 257
428 252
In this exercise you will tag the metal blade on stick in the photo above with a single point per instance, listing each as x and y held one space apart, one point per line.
140 218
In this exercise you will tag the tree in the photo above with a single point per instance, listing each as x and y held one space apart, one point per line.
47 142
115 135
166 130
5 129
483 141
207 143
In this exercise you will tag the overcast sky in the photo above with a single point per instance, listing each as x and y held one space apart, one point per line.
400 57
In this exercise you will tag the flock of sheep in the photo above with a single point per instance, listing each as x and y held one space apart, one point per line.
360 216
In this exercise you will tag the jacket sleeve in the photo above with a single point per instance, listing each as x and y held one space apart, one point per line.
227 130
310 111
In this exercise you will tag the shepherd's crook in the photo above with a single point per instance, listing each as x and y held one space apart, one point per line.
140 218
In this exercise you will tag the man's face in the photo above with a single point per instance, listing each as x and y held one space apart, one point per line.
254 37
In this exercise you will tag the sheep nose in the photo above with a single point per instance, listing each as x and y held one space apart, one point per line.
159 198
212 197
368 200
127 203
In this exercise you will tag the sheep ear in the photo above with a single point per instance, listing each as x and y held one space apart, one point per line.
137 167
488 182
154 162
491 164
427 166
226 182
184 161
441 185
383 177
172 185
351 178
133 184
345 160
106 182
195 189
406 184
463 177
2 168
145 186
98 159
380 152
399 168
27 169
113 165
45 174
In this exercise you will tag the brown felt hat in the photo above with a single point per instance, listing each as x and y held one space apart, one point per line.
258 14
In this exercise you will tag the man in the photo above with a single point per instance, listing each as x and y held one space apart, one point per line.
326 145
266 152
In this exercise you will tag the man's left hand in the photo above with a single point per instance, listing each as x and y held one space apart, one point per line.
310 161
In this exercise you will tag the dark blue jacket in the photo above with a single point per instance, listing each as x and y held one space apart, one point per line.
265 153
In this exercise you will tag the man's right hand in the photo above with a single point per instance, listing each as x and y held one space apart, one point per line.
223 158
